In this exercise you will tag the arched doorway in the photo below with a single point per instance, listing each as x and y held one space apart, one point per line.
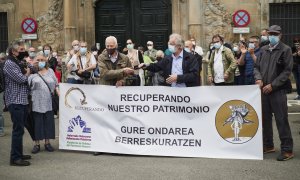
140 20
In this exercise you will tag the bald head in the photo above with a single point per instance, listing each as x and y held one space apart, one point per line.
189 44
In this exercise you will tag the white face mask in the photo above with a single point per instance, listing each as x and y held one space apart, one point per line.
251 45
171 48
217 45
235 49
150 47
47 52
76 48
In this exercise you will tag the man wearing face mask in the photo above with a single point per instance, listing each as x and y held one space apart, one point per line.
85 63
115 67
197 49
180 69
248 59
272 70
189 47
222 65
264 38
151 52
71 76
16 99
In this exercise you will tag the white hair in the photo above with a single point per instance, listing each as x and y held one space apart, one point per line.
178 39
160 53
111 38
149 42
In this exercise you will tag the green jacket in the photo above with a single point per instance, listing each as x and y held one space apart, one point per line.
229 64
111 72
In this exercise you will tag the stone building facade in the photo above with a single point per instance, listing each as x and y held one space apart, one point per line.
61 21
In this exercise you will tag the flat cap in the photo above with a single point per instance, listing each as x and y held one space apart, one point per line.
275 29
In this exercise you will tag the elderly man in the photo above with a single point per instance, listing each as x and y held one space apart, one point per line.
272 70
114 66
180 69
84 63
151 52
189 47
71 76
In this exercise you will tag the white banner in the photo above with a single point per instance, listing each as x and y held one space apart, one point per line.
207 121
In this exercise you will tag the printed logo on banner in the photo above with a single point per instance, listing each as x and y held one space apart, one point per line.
72 101
78 134
82 101
78 125
237 122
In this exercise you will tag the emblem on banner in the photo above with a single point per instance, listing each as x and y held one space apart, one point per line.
78 125
237 122
82 101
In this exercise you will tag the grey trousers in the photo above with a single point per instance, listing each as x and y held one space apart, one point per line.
276 103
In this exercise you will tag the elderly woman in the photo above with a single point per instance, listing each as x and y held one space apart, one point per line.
42 85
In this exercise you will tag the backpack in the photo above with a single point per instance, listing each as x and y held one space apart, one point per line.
2 81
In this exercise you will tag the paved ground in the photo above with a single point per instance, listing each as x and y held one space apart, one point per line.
82 165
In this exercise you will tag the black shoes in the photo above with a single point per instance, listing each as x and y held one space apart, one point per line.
19 162
36 149
49 148
97 153
26 157
284 156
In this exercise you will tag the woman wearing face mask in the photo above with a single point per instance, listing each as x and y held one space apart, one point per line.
135 58
42 85
222 65
52 61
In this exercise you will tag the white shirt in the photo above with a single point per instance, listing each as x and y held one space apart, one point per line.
177 68
218 66
199 50
73 63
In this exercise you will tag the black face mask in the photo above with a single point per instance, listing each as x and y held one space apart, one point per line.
22 55
111 51
159 58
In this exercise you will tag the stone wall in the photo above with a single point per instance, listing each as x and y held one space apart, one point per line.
61 21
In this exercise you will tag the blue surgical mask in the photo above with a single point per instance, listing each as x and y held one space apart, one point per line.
46 52
32 55
273 40
42 65
171 48
83 50
217 45
187 50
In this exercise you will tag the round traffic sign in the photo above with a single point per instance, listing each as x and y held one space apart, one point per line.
29 26
241 18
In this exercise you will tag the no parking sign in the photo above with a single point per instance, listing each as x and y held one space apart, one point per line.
241 18
29 26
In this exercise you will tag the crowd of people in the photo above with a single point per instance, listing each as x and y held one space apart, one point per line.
30 78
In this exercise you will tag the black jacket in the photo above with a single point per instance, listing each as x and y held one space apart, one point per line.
274 67
190 68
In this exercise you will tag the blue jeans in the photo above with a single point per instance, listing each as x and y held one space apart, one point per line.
296 73
249 80
74 81
18 115
1 114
